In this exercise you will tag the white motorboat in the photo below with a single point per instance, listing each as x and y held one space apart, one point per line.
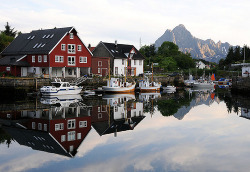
115 85
169 87
203 84
60 88
189 81
146 86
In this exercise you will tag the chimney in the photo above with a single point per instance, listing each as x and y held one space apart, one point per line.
89 46
116 44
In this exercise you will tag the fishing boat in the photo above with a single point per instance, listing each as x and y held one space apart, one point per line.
60 88
116 85
203 83
146 86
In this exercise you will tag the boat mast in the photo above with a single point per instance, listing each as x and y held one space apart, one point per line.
152 73
109 71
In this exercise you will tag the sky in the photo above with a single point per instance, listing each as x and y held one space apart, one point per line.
139 22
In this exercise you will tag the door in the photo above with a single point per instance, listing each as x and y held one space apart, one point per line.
24 71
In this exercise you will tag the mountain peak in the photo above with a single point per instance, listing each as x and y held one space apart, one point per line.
201 49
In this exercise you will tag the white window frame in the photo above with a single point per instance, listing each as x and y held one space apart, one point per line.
33 125
99 63
33 59
71 136
83 124
140 62
71 62
40 126
79 47
84 59
71 35
40 59
79 136
123 61
59 126
99 70
71 124
134 62
8 68
63 47
71 48
116 70
45 58
63 138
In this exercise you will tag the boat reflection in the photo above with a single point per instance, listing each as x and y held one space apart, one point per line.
120 113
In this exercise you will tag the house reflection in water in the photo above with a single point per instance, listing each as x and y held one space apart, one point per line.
60 128
120 113
245 113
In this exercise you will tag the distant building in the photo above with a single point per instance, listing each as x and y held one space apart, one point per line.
49 53
117 57
200 65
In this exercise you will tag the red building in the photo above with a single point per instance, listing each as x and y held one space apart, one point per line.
50 53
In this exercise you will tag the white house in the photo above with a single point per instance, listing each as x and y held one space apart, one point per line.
200 65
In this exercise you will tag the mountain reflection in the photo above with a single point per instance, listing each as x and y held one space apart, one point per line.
60 124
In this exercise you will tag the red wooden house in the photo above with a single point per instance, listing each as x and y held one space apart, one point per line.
50 53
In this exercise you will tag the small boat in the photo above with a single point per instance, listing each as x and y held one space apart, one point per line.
146 86
60 88
169 88
203 83
189 81
89 92
115 85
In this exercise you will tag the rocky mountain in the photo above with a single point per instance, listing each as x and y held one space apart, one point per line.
198 48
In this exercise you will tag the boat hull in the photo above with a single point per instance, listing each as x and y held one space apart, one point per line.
149 89
61 92
117 90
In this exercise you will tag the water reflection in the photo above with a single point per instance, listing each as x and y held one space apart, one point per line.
137 123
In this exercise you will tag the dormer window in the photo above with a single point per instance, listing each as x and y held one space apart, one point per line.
71 36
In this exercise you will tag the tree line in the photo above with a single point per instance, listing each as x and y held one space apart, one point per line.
168 57
235 55
7 36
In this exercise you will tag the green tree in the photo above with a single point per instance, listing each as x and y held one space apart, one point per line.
8 31
168 49
5 40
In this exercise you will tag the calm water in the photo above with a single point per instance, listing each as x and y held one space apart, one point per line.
183 131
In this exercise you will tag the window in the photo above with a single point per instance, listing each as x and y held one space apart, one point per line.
83 59
45 127
99 63
71 124
71 60
79 48
99 70
116 70
71 148
59 126
79 136
45 58
99 115
33 125
71 48
122 61
33 59
134 62
63 47
82 124
71 135
71 36
140 62
99 109
7 68
59 59
63 138
39 126
39 58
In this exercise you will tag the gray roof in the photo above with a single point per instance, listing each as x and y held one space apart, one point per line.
13 61
120 50
36 42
